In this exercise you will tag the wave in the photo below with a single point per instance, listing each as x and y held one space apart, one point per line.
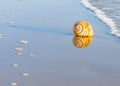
103 17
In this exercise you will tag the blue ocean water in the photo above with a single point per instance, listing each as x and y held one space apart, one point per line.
107 11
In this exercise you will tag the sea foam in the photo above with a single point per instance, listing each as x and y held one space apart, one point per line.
103 17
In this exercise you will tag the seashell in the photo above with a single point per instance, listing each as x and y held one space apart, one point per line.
13 84
82 41
83 28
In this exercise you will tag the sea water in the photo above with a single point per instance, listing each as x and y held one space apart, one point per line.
107 11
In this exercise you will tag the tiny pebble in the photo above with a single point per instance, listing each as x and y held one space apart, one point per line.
15 65
32 56
25 74
19 49
24 42
13 84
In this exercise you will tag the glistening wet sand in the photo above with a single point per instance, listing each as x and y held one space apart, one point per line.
57 61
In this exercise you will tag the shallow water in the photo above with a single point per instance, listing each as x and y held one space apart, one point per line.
107 11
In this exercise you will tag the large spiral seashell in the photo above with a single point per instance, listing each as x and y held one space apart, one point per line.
82 41
83 28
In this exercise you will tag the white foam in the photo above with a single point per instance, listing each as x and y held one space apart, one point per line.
101 15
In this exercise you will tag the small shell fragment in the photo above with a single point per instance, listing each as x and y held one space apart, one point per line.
10 22
15 65
13 84
32 56
23 42
25 74
18 49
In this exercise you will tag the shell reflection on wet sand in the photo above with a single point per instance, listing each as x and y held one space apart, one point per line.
82 41
19 53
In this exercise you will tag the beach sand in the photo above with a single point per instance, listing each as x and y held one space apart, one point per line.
47 26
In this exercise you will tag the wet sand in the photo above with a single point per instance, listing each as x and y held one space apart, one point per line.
58 61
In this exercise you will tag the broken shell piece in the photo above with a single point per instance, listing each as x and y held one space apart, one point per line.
10 22
13 84
32 56
15 65
24 42
25 74
19 49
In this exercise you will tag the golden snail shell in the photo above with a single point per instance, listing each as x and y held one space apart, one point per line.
83 28
82 41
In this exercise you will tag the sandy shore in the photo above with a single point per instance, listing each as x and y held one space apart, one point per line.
57 61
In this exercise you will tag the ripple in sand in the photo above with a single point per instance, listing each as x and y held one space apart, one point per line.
25 74
23 42
13 84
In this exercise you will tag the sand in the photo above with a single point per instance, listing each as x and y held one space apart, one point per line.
57 62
